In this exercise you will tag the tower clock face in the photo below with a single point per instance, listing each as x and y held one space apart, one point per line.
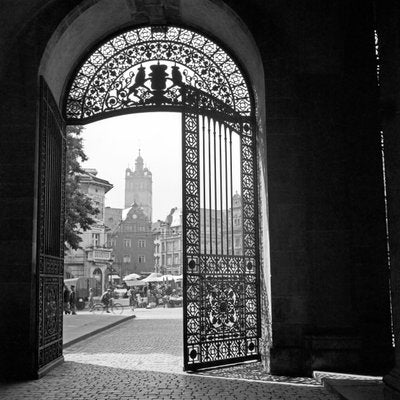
134 216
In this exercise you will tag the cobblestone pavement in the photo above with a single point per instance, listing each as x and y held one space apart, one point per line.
141 344
254 371
142 359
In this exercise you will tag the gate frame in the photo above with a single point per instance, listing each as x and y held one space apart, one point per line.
184 108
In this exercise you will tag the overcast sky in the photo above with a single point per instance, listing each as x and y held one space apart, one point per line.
113 144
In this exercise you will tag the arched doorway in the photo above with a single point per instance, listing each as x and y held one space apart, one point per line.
170 68
98 275
308 89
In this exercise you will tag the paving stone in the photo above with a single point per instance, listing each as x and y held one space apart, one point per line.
142 359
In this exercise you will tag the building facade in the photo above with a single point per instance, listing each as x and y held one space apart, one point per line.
139 187
168 244
219 230
93 258
168 241
112 217
132 243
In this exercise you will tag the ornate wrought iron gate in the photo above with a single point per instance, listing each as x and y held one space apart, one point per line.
220 243
50 247
161 68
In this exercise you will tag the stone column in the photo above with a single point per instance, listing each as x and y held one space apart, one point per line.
388 17
329 275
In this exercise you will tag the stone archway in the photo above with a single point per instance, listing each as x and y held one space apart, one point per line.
324 163
209 103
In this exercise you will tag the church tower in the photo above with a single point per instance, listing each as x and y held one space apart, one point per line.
139 187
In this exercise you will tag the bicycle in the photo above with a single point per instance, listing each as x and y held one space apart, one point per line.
115 308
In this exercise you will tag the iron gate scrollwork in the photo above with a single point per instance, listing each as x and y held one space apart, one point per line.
50 253
221 276
161 68
113 78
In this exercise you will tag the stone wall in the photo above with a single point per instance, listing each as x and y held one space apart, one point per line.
329 286
388 18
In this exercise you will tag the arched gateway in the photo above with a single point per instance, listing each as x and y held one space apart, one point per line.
161 68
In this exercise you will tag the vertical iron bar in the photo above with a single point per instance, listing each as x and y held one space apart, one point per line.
226 193
184 242
204 184
209 179
220 189
215 187
49 167
230 148
257 228
242 191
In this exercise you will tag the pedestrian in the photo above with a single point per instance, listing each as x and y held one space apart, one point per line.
72 300
66 300
131 298
168 290
106 298
91 299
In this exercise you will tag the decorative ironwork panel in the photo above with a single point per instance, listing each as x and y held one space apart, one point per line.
50 256
249 191
121 74
191 187
221 278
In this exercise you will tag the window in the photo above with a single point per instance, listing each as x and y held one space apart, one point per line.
237 242
127 259
96 239
176 259
163 259
142 259
127 243
142 228
141 243
169 259
163 246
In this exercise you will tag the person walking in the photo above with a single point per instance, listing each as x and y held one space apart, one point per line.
91 299
132 299
72 300
66 300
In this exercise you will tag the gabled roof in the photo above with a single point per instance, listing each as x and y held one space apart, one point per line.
133 209
90 177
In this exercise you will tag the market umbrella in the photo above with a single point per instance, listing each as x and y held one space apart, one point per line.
135 282
153 277
167 278
131 277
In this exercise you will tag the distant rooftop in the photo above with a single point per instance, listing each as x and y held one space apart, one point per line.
90 176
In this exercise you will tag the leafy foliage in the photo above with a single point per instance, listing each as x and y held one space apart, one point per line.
79 210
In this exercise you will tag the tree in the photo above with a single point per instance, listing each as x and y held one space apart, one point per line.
79 210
